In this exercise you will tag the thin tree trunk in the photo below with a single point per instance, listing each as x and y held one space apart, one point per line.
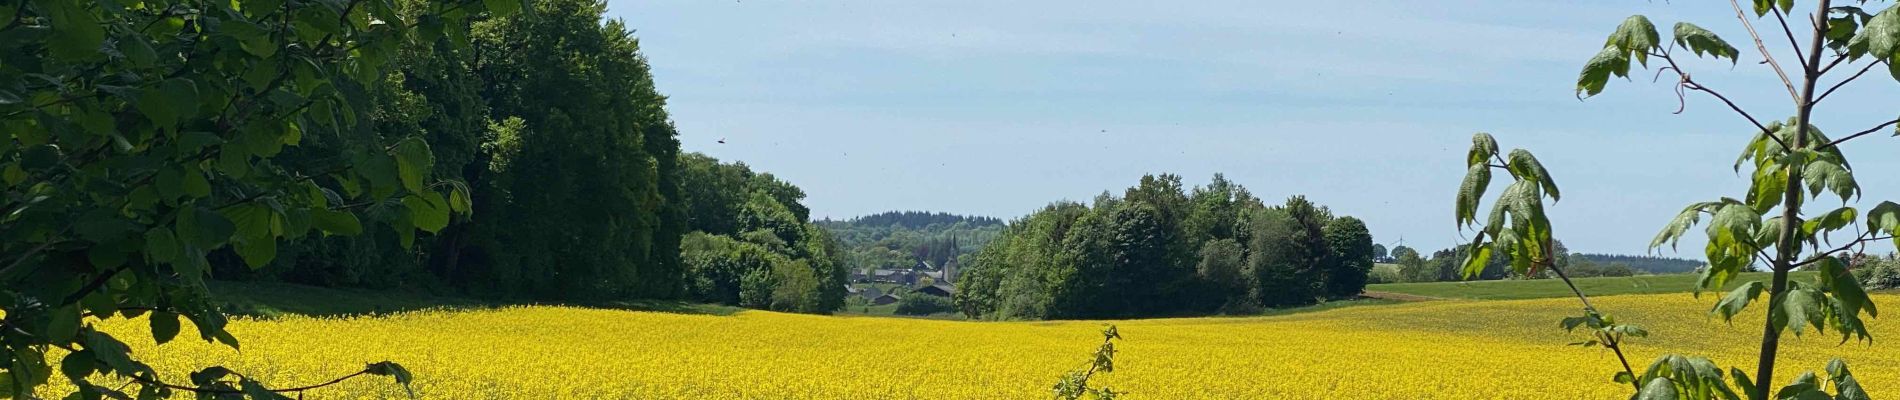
1790 210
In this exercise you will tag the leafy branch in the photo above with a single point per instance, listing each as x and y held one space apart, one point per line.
209 381
1792 162
177 158
1075 384
1519 229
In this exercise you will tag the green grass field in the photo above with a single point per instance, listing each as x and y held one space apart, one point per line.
1386 267
1547 288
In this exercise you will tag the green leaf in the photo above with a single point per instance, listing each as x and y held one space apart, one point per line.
256 252
1471 192
63 323
1658 388
383 11
1632 330
1805 387
1765 189
1736 300
194 184
138 52
1831 221
169 102
1799 308
257 391
1477 258
1845 288
1635 36
209 375
335 222
1527 167
99 303
1596 73
382 174
203 228
225 337
405 228
413 163
396 371
1483 146
1885 217
160 245
164 326
1571 323
1742 381
1841 30
77 33
390 369
77 365
1672 233
293 134
459 200
253 219
192 142
1730 244
1882 34
13 175
1761 147
109 351
428 211
1703 42
1846 387
1826 174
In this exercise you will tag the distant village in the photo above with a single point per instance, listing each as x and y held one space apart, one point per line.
921 279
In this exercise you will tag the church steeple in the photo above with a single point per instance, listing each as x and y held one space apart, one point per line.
950 264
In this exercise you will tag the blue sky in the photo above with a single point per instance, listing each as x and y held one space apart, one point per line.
999 107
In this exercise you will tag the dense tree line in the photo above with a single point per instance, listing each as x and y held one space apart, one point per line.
1448 265
899 239
752 243
1160 249
550 123
145 144
913 220
1651 264
1581 268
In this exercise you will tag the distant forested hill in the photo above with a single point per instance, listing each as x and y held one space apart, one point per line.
898 239
915 219
1656 265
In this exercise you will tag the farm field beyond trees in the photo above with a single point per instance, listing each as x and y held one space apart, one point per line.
1454 349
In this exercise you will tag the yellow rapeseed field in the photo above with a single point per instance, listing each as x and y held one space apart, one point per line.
1426 350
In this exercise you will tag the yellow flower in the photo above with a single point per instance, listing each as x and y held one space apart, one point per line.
1426 350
